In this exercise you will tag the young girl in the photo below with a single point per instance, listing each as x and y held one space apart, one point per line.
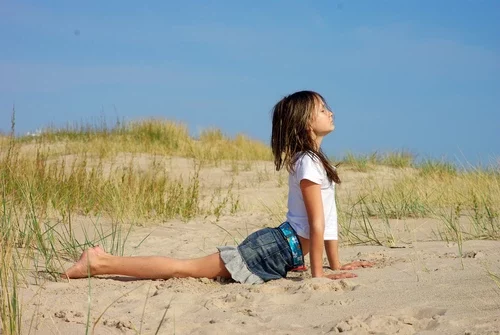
300 122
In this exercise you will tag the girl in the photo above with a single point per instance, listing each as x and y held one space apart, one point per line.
300 122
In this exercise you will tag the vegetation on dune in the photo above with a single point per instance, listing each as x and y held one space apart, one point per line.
48 179
155 137
365 163
426 189
68 171
431 189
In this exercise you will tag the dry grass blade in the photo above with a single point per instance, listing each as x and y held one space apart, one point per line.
163 316
111 304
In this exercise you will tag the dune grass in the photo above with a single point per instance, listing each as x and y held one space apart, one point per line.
48 179
68 170
10 304
440 192
495 277
160 137
368 162
437 168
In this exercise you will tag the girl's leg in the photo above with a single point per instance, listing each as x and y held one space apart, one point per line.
98 262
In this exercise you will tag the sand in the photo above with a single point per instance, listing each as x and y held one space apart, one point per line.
421 286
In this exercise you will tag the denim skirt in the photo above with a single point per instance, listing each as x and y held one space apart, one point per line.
264 255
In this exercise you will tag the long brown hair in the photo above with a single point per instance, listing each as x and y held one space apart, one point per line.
290 133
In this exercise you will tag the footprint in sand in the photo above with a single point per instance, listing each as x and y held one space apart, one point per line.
69 316
407 323
325 285
379 259
343 302
251 313
309 285
122 325
230 300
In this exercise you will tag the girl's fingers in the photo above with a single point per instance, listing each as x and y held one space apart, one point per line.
348 267
356 265
342 275
364 264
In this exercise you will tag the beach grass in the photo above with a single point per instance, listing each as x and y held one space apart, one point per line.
52 178
495 277
10 304
368 162
445 193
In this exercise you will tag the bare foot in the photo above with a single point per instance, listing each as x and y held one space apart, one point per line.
85 266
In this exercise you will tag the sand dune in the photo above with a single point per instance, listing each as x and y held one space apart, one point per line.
417 287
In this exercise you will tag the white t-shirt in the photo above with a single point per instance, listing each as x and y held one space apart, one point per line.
311 169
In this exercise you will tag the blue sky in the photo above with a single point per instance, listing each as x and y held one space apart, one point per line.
423 76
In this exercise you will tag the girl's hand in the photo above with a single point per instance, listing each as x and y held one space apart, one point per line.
356 265
341 275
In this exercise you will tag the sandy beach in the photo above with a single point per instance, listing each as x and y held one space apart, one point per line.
419 284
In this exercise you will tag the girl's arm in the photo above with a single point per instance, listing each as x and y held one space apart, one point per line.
311 193
332 252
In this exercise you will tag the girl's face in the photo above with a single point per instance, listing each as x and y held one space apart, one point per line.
322 120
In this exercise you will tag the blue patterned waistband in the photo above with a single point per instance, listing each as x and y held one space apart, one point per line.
294 243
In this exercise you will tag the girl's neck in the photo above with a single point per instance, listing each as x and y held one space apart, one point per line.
317 140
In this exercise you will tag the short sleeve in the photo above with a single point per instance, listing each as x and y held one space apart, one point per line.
309 168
